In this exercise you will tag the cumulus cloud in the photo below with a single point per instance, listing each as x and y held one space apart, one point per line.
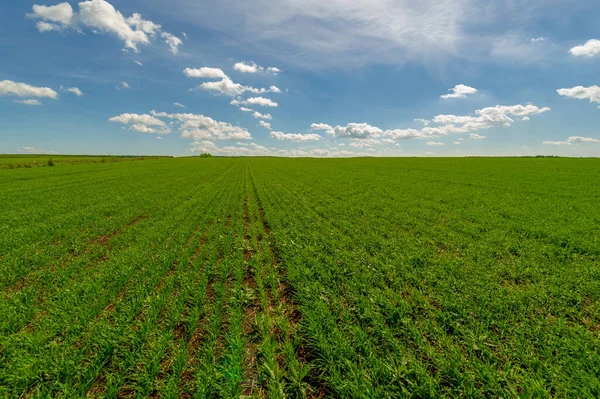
499 115
28 102
244 109
425 122
30 150
443 125
435 143
200 127
573 140
476 136
143 123
252 67
73 90
264 124
253 149
589 49
351 130
261 101
591 93
229 88
10 88
247 68
101 17
61 13
179 105
258 115
205 72
402 134
363 143
459 91
295 136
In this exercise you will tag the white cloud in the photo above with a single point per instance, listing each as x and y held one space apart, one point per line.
28 102
589 49
459 91
402 134
8 87
295 136
258 115
352 130
435 143
101 17
499 115
135 21
247 68
158 138
579 139
591 93
172 41
476 136
363 143
264 124
138 62
146 129
251 149
46 26
252 67
429 153
143 123
244 109
125 85
456 142
61 13
205 72
200 127
179 105
30 150
323 126
229 88
573 139
261 101
453 119
73 90
35 150
225 86
425 122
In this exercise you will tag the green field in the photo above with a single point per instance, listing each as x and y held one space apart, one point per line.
11 161
273 278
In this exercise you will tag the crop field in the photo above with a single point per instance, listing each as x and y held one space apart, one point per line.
9 161
301 278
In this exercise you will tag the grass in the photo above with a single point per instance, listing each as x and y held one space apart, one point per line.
301 278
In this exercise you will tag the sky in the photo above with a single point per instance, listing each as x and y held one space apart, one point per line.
314 78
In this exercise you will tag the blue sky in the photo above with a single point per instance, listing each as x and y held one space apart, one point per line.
301 78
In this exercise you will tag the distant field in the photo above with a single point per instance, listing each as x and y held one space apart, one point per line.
9 161
273 278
